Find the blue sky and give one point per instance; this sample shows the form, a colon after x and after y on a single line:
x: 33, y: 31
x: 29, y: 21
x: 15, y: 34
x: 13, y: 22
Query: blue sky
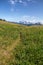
x: 26, y: 10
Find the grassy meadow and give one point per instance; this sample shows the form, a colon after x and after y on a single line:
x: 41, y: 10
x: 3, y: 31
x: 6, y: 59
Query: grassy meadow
x: 20, y: 45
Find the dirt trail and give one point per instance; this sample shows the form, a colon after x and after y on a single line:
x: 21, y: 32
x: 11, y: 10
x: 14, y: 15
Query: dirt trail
x: 14, y: 44
x: 7, y: 53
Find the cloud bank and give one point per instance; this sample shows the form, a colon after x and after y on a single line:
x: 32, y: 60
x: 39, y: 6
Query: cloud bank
x: 31, y: 19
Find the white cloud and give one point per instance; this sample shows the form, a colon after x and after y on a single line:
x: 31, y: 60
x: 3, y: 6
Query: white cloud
x: 23, y: 2
x: 31, y: 19
x: 33, y: 1
x: 12, y: 2
x: 26, y: 18
x: 20, y: 1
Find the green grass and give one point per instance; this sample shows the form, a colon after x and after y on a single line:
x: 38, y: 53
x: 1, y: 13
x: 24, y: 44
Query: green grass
x: 21, y: 45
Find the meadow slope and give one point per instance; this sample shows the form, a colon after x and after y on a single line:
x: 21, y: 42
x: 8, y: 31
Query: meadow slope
x: 20, y: 45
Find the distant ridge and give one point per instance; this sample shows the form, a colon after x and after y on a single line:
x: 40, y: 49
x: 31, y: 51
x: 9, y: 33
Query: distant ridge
x: 27, y: 23
x: 23, y: 22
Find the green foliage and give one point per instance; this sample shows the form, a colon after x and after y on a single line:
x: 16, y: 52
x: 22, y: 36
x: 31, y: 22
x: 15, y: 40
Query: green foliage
x: 29, y: 51
x: 7, y: 34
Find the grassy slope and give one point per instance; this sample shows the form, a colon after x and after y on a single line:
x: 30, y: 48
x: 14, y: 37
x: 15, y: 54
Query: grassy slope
x: 21, y: 45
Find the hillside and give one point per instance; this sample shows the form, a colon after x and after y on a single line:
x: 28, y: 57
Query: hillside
x: 20, y: 45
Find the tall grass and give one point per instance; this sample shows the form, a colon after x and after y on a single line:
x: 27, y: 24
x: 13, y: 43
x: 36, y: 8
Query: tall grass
x: 29, y: 51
